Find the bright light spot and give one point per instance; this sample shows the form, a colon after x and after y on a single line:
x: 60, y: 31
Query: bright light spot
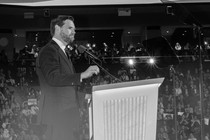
x: 205, y: 43
x: 151, y: 61
x: 88, y: 45
x: 131, y: 62
x: 94, y: 45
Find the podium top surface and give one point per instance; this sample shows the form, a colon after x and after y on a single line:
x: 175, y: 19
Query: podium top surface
x: 128, y: 84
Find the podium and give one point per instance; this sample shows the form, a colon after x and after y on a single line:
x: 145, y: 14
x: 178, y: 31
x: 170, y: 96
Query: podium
x: 124, y: 111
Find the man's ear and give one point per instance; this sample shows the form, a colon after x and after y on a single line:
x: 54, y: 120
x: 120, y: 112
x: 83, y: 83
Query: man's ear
x: 57, y: 28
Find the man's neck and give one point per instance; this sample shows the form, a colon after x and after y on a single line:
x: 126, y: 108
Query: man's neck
x: 60, y: 40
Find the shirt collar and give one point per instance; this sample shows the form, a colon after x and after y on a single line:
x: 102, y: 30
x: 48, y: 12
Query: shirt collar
x: 61, y: 45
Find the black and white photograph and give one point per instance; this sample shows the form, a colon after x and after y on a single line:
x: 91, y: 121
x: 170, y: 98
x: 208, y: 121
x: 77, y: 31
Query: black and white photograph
x: 104, y: 69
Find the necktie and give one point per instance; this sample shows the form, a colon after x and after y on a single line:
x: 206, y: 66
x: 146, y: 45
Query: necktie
x: 67, y: 52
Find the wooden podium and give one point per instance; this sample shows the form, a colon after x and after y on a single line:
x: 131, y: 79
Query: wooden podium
x: 124, y: 111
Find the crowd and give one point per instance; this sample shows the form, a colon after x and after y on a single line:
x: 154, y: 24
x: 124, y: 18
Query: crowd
x: 18, y: 111
x: 181, y: 107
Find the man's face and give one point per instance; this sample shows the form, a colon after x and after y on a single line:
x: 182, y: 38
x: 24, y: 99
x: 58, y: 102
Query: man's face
x: 68, y: 31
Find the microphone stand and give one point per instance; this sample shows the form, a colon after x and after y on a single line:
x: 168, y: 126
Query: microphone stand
x: 200, y: 78
x: 102, y: 68
x: 174, y: 94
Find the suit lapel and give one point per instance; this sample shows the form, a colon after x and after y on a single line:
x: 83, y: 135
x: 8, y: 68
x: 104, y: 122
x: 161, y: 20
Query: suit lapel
x: 63, y: 55
x: 68, y: 61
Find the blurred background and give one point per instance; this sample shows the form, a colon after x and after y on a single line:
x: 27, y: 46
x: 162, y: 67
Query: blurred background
x: 134, y: 40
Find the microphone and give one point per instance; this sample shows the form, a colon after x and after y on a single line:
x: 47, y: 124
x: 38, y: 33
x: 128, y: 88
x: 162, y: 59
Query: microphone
x: 83, y: 49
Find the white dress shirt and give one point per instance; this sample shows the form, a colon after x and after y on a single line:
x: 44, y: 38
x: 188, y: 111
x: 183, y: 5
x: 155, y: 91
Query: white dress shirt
x: 61, y: 45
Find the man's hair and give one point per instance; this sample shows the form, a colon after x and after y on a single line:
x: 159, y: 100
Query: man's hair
x: 59, y: 21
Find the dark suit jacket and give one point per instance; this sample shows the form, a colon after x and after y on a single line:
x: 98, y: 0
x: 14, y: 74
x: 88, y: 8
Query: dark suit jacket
x: 58, y: 82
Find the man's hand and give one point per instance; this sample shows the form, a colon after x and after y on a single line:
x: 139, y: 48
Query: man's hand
x: 89, y: 72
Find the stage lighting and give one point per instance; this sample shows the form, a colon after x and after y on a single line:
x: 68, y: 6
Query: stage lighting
x: 161, y: 49
x: 151, y: 61
x: 131, y: 61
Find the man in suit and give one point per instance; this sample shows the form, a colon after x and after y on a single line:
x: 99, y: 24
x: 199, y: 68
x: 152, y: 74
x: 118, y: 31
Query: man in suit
x: 58, y: 81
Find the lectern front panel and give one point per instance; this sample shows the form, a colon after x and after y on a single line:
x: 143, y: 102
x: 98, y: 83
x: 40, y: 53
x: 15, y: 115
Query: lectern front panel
x: 125, y: 113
